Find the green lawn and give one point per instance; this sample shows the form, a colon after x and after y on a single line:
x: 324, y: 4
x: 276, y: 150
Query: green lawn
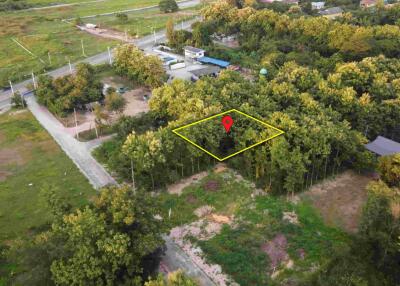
x: 238, y: 249
x: 30, y: 160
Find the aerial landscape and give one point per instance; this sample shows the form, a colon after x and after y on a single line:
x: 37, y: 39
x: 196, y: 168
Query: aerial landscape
x: 200, y: 142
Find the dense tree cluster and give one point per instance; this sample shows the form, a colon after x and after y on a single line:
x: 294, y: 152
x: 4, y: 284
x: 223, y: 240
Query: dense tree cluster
x: 63, y: 94
x: 325, y: 120
x: 131, y: 62
x: 373, y: 16
x: 115, y: 240
x: 312, y: 41
x: 10, y: 5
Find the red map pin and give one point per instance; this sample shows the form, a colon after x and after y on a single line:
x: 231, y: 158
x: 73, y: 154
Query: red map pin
x: 227, y: 121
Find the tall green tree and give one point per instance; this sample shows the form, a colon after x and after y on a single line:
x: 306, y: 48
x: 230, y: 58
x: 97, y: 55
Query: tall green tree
x: 108, y: 242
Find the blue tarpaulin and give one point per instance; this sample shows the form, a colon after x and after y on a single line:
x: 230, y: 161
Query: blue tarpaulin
x: 220, y: 63
x: 383, y: 146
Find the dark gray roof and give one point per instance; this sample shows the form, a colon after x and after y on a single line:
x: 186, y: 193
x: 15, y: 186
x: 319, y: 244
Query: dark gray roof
x: 331, y: 11
x: 193, y: 49
x: 383, y: 146
x: 206, y: 71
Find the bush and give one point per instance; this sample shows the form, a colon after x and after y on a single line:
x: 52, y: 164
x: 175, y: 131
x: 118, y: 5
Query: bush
x: 17, y: 101
x: 122, y: 17
x: 168, y: 6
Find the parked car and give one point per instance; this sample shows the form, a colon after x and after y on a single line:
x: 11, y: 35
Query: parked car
x: 122, y: 90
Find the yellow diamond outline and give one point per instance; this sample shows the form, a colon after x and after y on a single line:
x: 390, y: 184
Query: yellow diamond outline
x: 280, y: 132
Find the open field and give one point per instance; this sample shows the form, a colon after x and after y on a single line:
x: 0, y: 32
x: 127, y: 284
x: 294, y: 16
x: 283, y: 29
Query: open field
x: 51, y: 42
x: 340, y: 200
x: 253, y: 236
x: 30, y: 160
x: 141, y: 23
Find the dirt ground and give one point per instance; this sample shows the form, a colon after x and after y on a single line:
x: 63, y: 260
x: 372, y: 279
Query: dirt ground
x: 340, y: 200
x: 135, y: 104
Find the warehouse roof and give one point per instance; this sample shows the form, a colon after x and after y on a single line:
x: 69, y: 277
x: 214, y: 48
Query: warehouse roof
x: 383, y: 146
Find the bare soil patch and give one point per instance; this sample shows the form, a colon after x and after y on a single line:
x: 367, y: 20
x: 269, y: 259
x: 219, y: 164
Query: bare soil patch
x: 135, y: 103
x: 211, y: 186
x: 340, y: 200
x: 178, y: 187
x: 276, y: 250
x: 81, y: 118
x: 9, y: 156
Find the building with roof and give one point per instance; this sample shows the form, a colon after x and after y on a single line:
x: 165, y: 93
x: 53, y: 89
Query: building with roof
x: 331, y: 13
x: 193, y: 53
x: 207, y: 71
x: 367, y: 3
x: 212, y: 61
x: 317, y: 5
x: 383, y: 146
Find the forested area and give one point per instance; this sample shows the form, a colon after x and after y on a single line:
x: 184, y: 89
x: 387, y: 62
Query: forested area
x: 331, y: 86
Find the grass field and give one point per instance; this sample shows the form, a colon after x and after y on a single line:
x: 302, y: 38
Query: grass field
x: 43, y: 32
x: 30, y: 160
x: 141, y: 23
x: 240, y: 249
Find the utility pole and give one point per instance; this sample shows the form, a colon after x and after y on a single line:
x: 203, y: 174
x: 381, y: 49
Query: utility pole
x: 83, y: 49
x: 76, y: 125
x: 12, y: 89
x: 109, y: 55
x: 154, y: 33
x: 48, y: 54
x: 34, y: 81
x: 69, y: 63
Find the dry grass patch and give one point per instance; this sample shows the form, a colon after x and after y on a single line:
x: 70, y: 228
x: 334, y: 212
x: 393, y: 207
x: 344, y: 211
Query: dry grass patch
x: 340, y: 200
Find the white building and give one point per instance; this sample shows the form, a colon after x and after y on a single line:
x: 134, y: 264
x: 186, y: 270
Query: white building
x: 193, y: 53
x: 317, y: 5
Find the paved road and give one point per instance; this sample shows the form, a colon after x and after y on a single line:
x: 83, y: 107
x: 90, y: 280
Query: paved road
x: 175, y: 258
x: 145, y: 43
x: 77, y: 151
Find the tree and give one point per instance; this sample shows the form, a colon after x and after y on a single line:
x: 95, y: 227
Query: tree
x: 145, y: 151
x: 114, y: 102
x: 168, y: 6
x: 132, y: 62
x: 17, y: 100
x: 108, y: 242
x: 122, y: 17
x: 170, y: 30
x: 389, y: 168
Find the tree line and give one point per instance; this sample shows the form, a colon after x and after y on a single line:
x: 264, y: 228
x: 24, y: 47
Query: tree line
x: 326, y: 119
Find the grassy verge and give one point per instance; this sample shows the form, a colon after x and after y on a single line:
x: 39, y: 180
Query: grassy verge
x: 30, y: 160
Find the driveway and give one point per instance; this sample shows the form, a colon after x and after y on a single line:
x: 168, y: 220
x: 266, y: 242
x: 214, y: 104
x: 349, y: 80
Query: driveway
x: 79, y: 152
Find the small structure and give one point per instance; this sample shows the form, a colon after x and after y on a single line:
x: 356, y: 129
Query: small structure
x: 383, y: 146
x: 367, y: 3
x: 91, y: 26
x: 317, y: 5
x: 332, y: 13
x: 263, y: 72
x: 193, y: 53
x: 212, y: 61
x: 208, y: 71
